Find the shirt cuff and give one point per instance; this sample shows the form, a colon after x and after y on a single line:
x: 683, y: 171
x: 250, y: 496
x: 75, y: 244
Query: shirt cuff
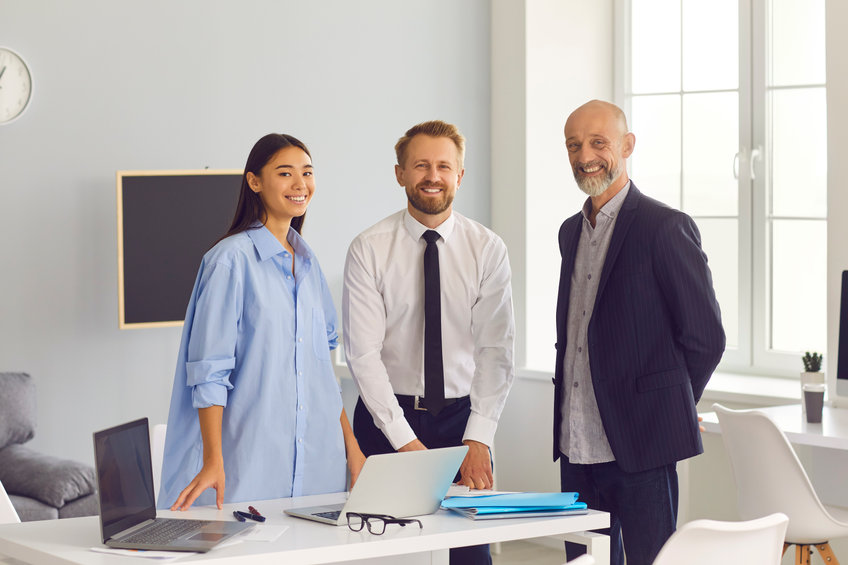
x: 480, y: 428
x: 210, y: 371
x: 209, y: 394
x: 399, y: 433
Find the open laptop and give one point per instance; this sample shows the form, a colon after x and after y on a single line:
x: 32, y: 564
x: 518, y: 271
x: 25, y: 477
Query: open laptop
x: 127, y: 501
x: 412, y: 483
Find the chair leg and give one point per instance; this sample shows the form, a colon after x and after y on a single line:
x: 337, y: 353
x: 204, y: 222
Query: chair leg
x: 827, y: 554
x: 802, y: 554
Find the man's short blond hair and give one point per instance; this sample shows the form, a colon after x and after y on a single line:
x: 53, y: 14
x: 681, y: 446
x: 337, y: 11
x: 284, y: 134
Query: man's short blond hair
x: 433, y: 128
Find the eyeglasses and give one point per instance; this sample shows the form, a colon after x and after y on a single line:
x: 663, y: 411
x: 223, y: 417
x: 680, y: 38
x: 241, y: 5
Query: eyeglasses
x: 376, y: 522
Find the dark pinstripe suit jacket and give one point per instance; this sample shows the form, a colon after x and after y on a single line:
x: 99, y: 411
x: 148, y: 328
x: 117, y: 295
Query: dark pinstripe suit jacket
x: 655, y: 335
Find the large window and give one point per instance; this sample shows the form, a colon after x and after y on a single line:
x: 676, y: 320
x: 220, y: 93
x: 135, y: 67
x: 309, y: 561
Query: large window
x: 727, y: 100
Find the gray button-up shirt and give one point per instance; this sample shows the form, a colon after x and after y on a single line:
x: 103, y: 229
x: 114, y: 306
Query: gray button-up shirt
x: 583, y: 439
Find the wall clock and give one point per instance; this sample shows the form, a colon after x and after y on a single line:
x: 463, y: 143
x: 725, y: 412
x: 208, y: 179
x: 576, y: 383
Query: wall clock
x: 15, y: 85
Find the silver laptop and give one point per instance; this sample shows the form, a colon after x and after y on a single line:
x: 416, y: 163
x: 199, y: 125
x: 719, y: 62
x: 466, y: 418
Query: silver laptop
x: 127, y: 502
x: 412, y: 483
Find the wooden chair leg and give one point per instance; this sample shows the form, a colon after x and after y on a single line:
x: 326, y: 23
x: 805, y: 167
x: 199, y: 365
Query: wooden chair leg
x: 827, y: 554
x: 802, y: 554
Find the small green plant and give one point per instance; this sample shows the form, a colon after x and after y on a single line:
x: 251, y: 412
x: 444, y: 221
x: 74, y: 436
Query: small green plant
x: 812, y: 362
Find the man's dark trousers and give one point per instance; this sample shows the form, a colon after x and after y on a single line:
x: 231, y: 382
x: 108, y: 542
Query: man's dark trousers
x: 642, y: 506
x: 444, y: 430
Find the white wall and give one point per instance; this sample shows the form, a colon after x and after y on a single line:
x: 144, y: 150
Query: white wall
x: 548, y: 58
x: 176, y: 85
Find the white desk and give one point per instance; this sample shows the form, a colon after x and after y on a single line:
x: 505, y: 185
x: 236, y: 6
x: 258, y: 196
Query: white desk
x: 832, y: 432
x: 68, y: 541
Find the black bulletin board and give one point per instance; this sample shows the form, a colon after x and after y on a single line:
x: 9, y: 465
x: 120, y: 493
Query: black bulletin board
x: 167, y: 220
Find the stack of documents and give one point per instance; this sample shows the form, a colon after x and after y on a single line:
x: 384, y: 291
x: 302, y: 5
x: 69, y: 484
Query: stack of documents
x: 515, y: 505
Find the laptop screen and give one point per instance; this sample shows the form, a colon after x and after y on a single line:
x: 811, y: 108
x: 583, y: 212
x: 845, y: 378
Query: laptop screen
x: 124, y: 476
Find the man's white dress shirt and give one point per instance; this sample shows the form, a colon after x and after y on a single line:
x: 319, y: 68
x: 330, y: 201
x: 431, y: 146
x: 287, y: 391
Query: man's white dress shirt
x: 383, y: 320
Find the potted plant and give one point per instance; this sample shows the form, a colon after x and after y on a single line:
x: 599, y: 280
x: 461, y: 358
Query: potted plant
x: 812, y: 371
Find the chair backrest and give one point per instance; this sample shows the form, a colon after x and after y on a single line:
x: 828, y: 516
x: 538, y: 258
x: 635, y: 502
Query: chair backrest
x: 769, y: 477
x: 8, y: 514
x: 157, y: 454
x: 708, y: 542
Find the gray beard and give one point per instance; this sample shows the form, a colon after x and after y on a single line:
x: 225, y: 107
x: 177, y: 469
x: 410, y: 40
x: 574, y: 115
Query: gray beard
x: 595, y: 186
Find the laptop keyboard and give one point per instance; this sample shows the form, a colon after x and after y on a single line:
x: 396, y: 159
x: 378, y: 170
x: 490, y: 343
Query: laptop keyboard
x: 162, y: 532
x: 332, y: 515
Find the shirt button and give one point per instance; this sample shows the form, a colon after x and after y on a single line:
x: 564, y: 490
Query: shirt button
x: 575, y: 384
x: 300, y: 440
x: 594, y: 243
x: 579, y: 350
x: 300, y: 373
x: 288, y: 277
x: 589, y: 277
x: 300, y: 407
x: 300, y: 340
x: 584, y: 312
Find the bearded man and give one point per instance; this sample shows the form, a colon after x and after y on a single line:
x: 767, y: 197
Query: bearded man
x: 638, y: 336
x: 427, y: 319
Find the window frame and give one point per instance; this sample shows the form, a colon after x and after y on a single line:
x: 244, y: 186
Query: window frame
x: 753, y: 354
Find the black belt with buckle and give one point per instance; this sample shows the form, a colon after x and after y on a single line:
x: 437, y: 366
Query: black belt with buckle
x: 417, y: 402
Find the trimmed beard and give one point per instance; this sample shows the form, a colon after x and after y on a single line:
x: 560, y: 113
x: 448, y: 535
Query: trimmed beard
x: 430, y: 206
x: 595, y: 186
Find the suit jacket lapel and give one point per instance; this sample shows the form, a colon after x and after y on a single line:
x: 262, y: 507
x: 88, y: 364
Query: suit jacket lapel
x: 568, y: 248
x: 622, y: 226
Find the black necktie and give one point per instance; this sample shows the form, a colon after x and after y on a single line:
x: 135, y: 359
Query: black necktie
x: 434, y: 376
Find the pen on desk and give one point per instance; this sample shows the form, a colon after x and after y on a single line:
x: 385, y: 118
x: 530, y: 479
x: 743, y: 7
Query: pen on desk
x: 238, y: 516
x: 252, y: 516
x: 253, y: 510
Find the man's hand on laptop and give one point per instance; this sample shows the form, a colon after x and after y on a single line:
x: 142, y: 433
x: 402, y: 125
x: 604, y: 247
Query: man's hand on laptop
x: 210, y: 476
x: 414, y: 445
x: 476, y: 468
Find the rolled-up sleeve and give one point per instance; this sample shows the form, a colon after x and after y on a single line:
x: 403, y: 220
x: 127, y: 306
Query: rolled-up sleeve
x: 214, y: 332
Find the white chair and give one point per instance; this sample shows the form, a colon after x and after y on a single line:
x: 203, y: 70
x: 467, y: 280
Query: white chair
x: 708, y: 542
x: 8, y: 514
x: 157, y: 454
x: 770, y: 478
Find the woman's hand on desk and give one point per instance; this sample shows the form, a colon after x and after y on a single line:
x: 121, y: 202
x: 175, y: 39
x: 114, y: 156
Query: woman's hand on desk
x: 210, y: 476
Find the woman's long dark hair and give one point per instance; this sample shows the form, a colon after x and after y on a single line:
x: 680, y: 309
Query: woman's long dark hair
x: 250, y: 209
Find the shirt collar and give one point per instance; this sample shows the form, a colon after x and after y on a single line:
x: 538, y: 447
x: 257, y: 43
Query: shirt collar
x: 268, y: 246
x: 416, y: 229
x: 611, y: 208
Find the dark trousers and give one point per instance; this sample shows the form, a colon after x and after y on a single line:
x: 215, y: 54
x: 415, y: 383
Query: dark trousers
x: 444, y: 430
x: 642, y: 507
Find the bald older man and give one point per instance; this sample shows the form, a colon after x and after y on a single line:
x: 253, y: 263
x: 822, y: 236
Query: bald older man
x: 638, y: 336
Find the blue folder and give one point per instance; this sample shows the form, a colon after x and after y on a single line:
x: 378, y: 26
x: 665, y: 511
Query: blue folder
x: 516, y: 502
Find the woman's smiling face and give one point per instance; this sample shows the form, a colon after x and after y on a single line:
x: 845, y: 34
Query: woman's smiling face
x: 285, y: 184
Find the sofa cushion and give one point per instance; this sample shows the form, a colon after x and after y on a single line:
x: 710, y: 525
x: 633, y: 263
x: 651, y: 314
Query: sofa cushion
x: 85, y: 506
x: 51, y: 480
x: 17, y: 408
x: 30, y: 509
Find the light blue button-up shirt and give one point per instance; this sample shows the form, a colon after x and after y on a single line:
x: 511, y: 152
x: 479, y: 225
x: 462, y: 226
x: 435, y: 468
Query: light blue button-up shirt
x: 257, y: 341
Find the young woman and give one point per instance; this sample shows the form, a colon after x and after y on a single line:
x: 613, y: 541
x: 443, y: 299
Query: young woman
x: 256, y: 411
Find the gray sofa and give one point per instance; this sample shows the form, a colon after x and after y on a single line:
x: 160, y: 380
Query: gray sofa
x: 40, y: 487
